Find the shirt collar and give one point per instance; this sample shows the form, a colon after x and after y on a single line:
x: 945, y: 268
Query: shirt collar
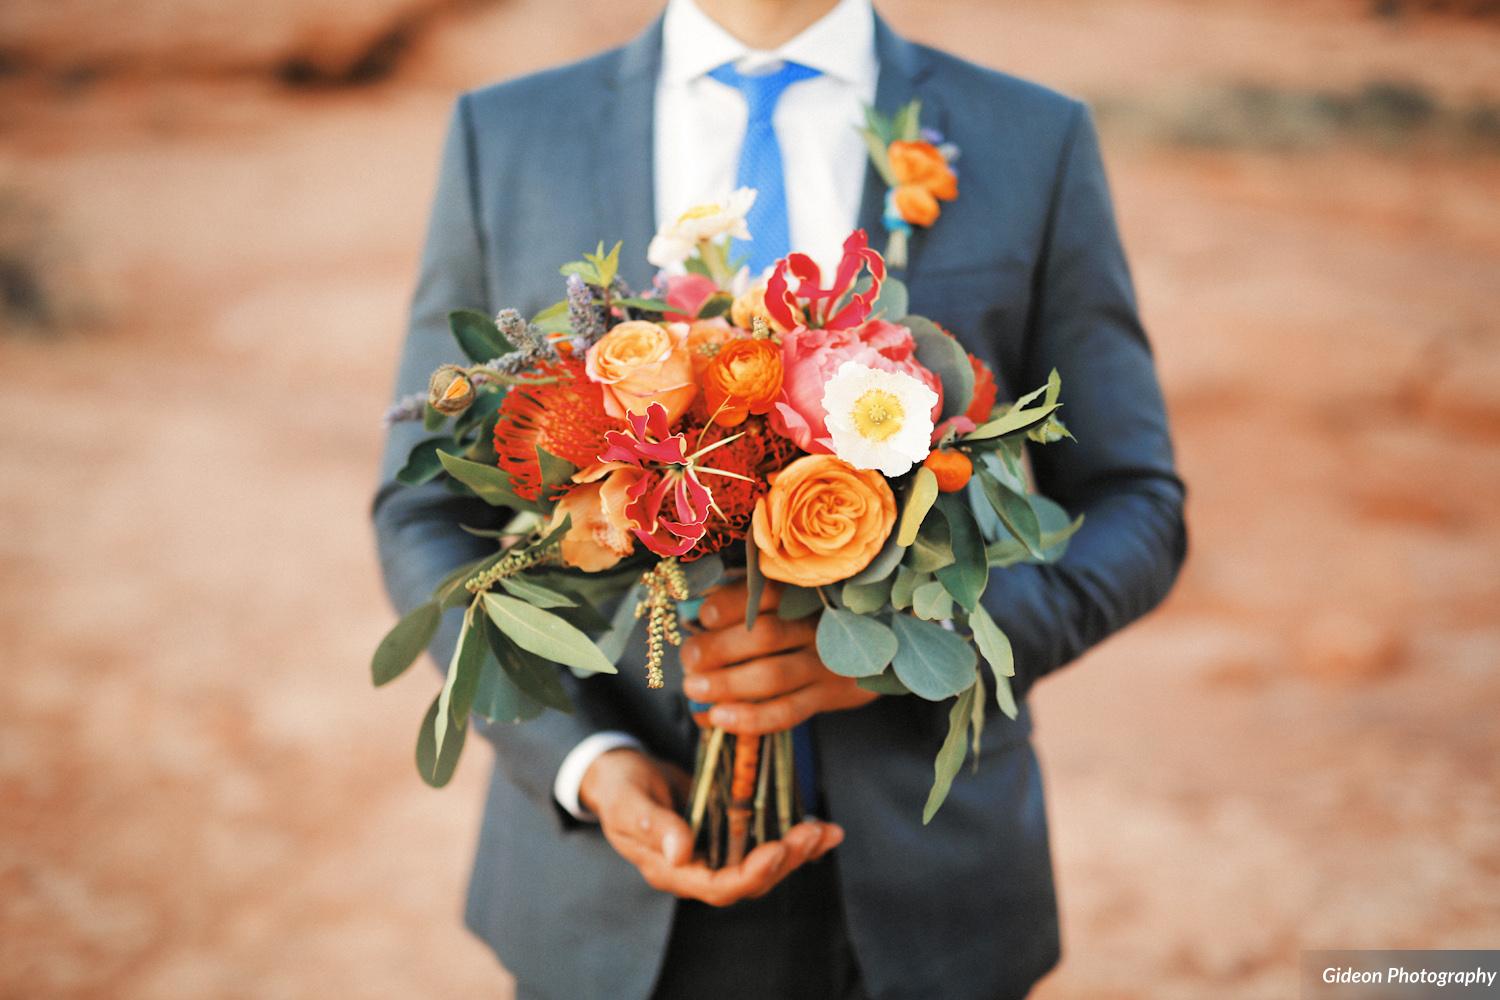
x: 840, y: 44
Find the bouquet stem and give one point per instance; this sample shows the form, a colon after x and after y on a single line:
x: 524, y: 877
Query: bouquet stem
x: 735, y: 786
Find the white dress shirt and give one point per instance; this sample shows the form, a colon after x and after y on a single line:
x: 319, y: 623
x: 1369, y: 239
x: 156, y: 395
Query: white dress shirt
x: 700, y: 123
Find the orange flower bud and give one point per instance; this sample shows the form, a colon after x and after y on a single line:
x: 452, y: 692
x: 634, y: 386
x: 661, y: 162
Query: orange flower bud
x: 952, y: 469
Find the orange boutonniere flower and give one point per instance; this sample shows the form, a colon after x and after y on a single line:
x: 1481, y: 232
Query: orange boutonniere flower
x: 918, y: 167
x: 923, y: 178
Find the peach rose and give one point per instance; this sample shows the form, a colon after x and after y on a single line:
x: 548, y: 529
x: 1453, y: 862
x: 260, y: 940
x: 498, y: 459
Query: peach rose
x: 822, y: 521
x: 743, y: 378
x: 599, y: 534
x: 640, y: 363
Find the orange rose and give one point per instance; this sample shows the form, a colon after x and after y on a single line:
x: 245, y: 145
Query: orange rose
x: 743, y: 378
x: 923, y: 177
x: 599, y: 533
x: 640, y: 363
x: 822, y: 521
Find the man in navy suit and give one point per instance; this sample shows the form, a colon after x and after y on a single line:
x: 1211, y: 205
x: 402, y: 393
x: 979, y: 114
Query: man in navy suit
x: 583, y: 884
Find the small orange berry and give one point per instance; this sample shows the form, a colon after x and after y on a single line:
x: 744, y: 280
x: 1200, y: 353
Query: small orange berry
x: 952, y: 469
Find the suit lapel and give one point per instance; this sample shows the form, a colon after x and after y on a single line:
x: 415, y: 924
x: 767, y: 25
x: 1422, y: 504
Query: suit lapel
x: 903, y: 67
x: 624, y: 152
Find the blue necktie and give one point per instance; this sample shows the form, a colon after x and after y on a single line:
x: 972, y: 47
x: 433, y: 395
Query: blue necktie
x: 760, y: 161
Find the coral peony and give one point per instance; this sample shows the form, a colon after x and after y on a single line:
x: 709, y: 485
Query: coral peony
x: 809, y: 358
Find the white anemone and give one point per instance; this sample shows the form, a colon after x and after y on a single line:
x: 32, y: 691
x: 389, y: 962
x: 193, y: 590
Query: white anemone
x: 676, y: 242
x: 878, y: 419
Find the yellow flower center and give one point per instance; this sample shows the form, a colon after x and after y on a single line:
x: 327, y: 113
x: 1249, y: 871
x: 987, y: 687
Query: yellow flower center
x: 700, y: 212
x: 877, y: 415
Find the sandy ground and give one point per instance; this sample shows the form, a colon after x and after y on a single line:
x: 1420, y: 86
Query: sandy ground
x: 201, y: 797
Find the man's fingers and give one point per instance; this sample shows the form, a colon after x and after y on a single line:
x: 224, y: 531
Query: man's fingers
x: 755, y: 680
x: 725, y: 606
x: 758, y: 718
x: 721, y: 647
x: 651, y: 823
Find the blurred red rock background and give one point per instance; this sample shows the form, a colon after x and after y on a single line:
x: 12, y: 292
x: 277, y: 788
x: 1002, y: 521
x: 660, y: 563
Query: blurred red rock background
x: 209, y: 218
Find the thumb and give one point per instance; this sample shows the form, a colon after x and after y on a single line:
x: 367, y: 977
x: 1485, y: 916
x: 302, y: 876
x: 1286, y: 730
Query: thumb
x: 645, y: 811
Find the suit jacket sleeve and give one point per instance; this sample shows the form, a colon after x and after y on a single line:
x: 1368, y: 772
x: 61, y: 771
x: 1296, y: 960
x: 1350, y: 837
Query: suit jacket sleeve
x: 1119, y: 473
x: 417, y: 529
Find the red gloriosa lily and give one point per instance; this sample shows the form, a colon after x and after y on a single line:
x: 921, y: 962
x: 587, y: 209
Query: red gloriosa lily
x: 836, y: 307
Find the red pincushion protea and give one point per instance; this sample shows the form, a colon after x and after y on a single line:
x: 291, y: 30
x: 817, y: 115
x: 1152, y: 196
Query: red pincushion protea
x: 565, y: 418
x: 754, y: 454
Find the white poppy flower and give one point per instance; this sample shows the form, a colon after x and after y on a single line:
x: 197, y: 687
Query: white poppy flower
x: 676, y: 242
x: 878, y: 419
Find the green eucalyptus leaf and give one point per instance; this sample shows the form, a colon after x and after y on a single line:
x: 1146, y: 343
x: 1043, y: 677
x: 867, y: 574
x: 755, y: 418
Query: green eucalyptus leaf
x: 883, y: 565
x: 437, y: 768
x: 853, y: 645
x: 545, y: 634
x: 886, y: 683
x: 1016, y: 513
x: 755, y: 581
x: 555, y: 471
x: 945, y: 357
x: 866, y: 598
x: 457, y: 696
x: 422, y: 463
x: 906, y: 125
x: 966, y: 576
x: 992, y: 642
x: 499, y: 700
x: 933, y: 547
x: 536, y: 678
x: 487, y: 482
x: 906, y: 583
x: 704, y: 574
x: 891, y: 304
x: 478, y: 335
x: 1005, y: 697
x: 1013, y: 421
x: 798, y: 602
x: 934, y: 662
x: 535, y: 594
x: 932, y: 602
x: 432, y: 420
x: 951, y: 757
x: 405, y: 642
x: 922, y: 495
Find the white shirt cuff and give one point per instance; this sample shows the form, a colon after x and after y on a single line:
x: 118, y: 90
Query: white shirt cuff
x: 576, y: 764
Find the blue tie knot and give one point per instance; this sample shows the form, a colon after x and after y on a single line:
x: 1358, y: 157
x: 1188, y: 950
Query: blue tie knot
x: 763, y: 90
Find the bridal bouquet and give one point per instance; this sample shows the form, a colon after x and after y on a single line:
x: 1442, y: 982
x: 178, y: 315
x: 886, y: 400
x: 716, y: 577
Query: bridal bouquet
x: 802, y: 429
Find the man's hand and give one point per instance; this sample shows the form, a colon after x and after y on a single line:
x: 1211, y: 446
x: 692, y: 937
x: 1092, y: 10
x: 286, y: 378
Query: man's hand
x: 764, y: 679
x: 632, y: 796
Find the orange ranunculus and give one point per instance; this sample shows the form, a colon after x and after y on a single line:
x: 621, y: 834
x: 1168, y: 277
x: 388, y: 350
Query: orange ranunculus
x: 743, y: 378
x: 640, y: 363
x: 923, y: 178
x: 822, y: 521
x: 705, y: 337
x: 599, y: 533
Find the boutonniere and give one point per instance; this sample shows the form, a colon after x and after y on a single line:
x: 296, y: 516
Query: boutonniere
x: 917, y: 167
